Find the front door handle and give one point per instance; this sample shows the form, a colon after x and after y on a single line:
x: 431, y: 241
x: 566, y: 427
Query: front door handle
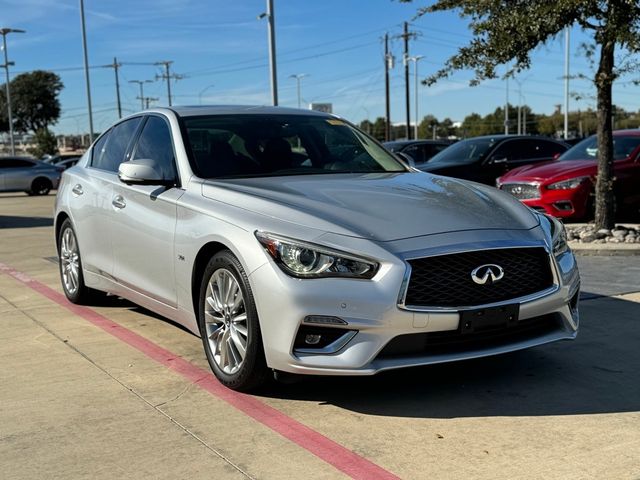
x: 77, y: 190
x: 118, y: 202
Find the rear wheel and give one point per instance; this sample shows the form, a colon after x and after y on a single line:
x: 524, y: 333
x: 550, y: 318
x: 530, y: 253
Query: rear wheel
x: 40, y: 186
x: 229, y: 325
x: 70, y: 265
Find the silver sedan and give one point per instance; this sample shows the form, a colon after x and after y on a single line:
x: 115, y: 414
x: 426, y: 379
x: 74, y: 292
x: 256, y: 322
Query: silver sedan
x: 290, y: 241
x: 21, y: 174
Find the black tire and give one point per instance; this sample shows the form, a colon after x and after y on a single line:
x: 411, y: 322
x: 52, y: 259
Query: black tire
x: 82, y: 295
x: 252, y: 371
x: 40, y: 186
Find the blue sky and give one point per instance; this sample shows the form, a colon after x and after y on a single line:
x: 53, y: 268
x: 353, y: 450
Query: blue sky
x: 221, y: 48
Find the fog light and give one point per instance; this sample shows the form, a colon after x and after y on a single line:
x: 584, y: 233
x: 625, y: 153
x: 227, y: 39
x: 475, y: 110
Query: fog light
x: 321, y: 339
x: 312, y: 339
x: 564, y: 205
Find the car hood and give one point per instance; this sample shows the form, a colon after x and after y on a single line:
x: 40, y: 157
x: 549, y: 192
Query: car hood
x: 434, y: 167
x: 383, y: 207
x: 550, y: 170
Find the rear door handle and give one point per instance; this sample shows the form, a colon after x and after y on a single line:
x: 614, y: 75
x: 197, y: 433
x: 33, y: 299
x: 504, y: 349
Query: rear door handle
x: 118, y: 202
x: 77, y: 189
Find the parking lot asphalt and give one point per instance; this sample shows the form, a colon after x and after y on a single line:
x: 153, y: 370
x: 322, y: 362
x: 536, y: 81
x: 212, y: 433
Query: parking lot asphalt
x: 112, y: 390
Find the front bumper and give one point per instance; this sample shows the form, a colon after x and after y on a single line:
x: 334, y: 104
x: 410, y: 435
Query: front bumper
x: 371, y: 307
x: 561, y: 203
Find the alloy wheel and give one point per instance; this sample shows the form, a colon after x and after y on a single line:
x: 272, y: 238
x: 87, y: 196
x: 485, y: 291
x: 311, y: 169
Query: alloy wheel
x: 70, y: 261
x: 226, y: 321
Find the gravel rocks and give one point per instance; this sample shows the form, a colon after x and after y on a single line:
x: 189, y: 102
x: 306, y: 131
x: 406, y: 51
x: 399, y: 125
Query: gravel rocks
x: 588, y: 234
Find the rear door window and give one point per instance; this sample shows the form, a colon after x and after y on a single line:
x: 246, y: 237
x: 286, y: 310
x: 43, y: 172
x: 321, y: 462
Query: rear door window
x: 98, y: 149
x: 17, y: 163
x: 547, y: 149
x: 117, y: 145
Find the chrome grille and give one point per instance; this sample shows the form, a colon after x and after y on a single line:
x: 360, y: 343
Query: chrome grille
x: 522, y: 191
x: 445, y: 280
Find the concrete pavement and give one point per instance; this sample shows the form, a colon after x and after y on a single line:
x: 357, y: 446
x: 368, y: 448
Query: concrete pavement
x: 76, y: 402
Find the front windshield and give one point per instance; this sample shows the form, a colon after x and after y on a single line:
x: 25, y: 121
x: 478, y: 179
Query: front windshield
x: 464, y: 152
x: 271, y: 145
x: 588, y: 148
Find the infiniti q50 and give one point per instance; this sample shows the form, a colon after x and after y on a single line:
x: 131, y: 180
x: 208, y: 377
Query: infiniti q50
x: 290, y: 241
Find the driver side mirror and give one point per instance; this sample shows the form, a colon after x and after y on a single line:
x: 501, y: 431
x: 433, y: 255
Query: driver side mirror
x: 142, y: 171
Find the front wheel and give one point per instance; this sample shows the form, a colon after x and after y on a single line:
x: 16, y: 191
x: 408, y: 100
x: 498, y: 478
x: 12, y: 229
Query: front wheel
x: 229, y: 325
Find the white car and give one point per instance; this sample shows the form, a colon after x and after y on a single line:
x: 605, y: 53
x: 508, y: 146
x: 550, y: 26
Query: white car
x: 291, y: 241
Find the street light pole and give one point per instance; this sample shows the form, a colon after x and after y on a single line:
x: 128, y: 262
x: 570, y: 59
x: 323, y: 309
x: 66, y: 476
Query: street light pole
x: 415, y: 60
x: 204, y: 90
x: 566, y: 82
x: 506, y: 110
x: 271, y: 33
x: 4, y: 32
x: 299, y: 77
x: 86, y: 69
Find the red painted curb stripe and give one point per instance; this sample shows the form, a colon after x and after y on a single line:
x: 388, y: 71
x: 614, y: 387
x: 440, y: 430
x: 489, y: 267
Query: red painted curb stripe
x: 324, y: 448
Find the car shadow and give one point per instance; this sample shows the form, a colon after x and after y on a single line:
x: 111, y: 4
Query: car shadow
x: 12, y: 221
x: 113, y: 301
x: 596, y: 373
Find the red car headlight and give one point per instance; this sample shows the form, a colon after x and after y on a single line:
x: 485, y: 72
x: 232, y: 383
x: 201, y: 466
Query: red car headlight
x: 568, y: 184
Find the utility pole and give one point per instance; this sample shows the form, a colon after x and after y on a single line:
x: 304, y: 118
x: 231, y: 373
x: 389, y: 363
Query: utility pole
x: 271, y: 35
x: 388, y: 64
x: 168, y: 76
x: 566, y: 82
x: 405, y: 36
x: 506, y: 110
x: 415, y: 61
x: 272, y: 52
x: 86, y: 69
x: 116, y: 66
x: 141, y: 96
x: 299, y: 77
x: 4, y: 32
x: 148, y: 100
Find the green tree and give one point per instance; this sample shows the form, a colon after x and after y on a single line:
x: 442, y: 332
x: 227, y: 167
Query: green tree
x: 366, y: 126
x: 34, y: 101
x: 425, y: 127
x: 506, y: 32
x: 377, y: 130
x: 45, y: 142
x: 446, y: 129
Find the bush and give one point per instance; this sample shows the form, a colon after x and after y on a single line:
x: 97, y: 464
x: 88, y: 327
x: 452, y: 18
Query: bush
x: 45, y: 142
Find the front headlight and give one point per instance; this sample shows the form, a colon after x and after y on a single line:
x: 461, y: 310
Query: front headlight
x: 567, y: 184
x: 307, y: 260
x: 558, y: 236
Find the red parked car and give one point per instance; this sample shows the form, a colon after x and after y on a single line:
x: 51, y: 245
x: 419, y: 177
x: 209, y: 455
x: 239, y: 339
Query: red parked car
x: 565, y: 187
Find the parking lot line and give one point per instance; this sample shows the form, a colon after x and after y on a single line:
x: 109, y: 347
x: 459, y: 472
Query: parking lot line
x: 341, y: 458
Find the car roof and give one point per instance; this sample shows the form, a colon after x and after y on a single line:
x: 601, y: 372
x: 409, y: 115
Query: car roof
x: 513, y: 137
x: 630, y: 132
x: 197, y: 110
x: 417, y: 142
x: 17, y: 157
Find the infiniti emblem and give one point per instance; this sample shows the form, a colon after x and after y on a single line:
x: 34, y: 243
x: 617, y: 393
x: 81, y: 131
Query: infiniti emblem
x: 487, y: 274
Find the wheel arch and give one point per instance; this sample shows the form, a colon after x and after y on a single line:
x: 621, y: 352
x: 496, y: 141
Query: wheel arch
x: 203, y: 256
x: 59, y: 220
x: 43, y: 178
